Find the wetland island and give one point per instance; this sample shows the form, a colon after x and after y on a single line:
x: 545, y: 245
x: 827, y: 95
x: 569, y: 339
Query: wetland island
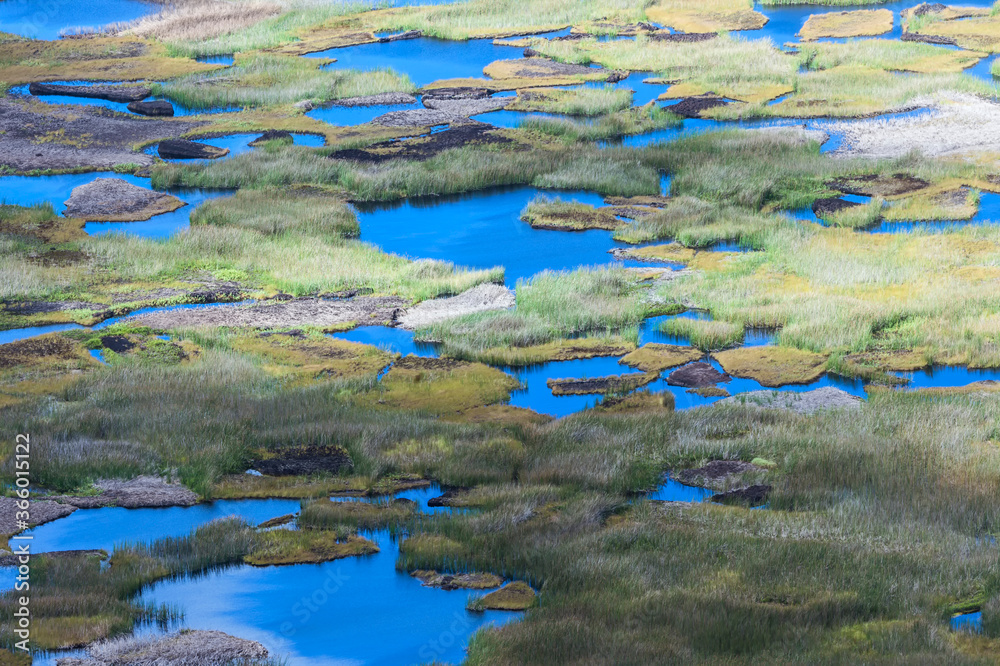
x: 498, y: 332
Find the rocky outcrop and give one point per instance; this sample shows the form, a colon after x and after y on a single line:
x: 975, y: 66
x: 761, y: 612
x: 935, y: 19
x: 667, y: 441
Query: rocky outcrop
x: 40, y: 511
x: 803, y: 402
x: 117, y: 200
x: 154, y: 108
x: 182, y: 149
x: 273, y: 135
x: 697, y: 375
x: 186, y: 648
x: 140, y: 492
x: 380, y: 99
x: 110, y: 93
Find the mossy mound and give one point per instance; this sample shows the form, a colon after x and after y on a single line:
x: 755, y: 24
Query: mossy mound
x: 656, y: 357
x: 600, y: 385
x: 307, y: 356
x: 773, y: 366
x: 859, y: 23
x: 669, y: 252
x: 41, y: 223
x: 516, y: 596
x: 638, y: 402
x: 505, y: 415
x: 327, y: 514
x: 571, y: 349
x: 440, y: 386
x: 569, y: 216
x: 705, y: 17
x: 307, y: 546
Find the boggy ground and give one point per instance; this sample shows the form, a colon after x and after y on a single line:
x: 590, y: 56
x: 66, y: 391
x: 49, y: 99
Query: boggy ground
x: 879, y: 521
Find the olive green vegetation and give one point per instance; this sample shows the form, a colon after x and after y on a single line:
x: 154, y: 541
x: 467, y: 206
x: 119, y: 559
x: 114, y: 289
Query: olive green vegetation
x: 584, y: 101
x: 292, y: 240
x: 268, y: 79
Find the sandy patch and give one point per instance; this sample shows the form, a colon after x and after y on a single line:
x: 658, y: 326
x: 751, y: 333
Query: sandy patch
x: 481, y: 298
x: 958, y: 124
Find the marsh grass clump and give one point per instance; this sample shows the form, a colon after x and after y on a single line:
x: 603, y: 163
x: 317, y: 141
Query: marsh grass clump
x: 634, y: 120
x: 554, y: 213
x: 269, y: 79
x: 77, y: 601
x: 887, y: 54
x: 275, y: 211
x: 706, y: 335
x: 582, y: 101
x: 326, y: 514
x: 284, y: 546
x: 550, y: 306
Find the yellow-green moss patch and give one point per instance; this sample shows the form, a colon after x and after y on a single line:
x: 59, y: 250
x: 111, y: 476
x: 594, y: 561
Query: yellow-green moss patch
x: 707, y: 16
x: 656, y: 357
x: 710, y: 392
x: 460, y: 581
x: 600, y: 385
x: 862, y: 22
x: 440, y: 386
x: 638, y: 402
x: 516, y: 596
x: 306, y: 546
x: 308, y: 356
x: 668, y: 252
x: 773, y: 366
x: 571, y: 349
x: 40, y: 222
x: 569, y: 216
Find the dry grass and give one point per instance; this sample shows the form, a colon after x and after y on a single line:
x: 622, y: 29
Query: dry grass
x: 194, y: 20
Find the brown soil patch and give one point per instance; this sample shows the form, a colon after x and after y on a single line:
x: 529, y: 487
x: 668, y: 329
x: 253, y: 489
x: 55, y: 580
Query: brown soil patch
x: 697, y: 375
x: 305, y: 460
x: 424, y: 148
x: 871, y: 185
x: 691, y: 107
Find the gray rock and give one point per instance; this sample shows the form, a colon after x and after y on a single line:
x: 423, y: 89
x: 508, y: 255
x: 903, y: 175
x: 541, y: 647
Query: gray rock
x: 381, y: 99
x: 155, y: 108
x: 117, y: 200
x: 186, y: 648
x: 40, y: 511
x: 481, y: 298
x: 140, y: 492
x: 111, y: 93
x: 182, y: 149
x: 803, y: 402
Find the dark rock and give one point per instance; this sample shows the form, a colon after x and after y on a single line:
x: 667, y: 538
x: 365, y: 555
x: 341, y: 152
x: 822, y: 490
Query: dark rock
x: 928, y: 8
x: 273, y: 135
x: 715, y: 470
x: 531, y: 53
x: 664, y: 36
x: 409, y: 34
x: 449, y: 497
x: 155, y: 108
x: 117, y: 343
x: 110, y: 93
x: 697, y: 375
x: 616, y: 76
x: 304, y: 460
x: 182, y: 149
x: 928, y: 39
x: 456, y: 93
x: 691, y: 107
x: 875, y: 185
x: 751, y: 495
x: 832, y: 205
x: 403, y: 502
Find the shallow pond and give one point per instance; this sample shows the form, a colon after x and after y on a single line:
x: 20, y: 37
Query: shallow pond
x: 424, y: 59
x: 56, y: 190
x: 330, y: 613
x: 482, y: 230
x: 46, y: 20
x: 357, y: 610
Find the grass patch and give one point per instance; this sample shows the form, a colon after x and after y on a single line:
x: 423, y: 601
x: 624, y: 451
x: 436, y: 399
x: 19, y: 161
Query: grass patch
x: 545, y: 213
x: 889, y: 55
x: 583, y: 101
x: 773, y: 366
x: 268, y: 79
x: 858, y: 23
x: 281, y: 546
